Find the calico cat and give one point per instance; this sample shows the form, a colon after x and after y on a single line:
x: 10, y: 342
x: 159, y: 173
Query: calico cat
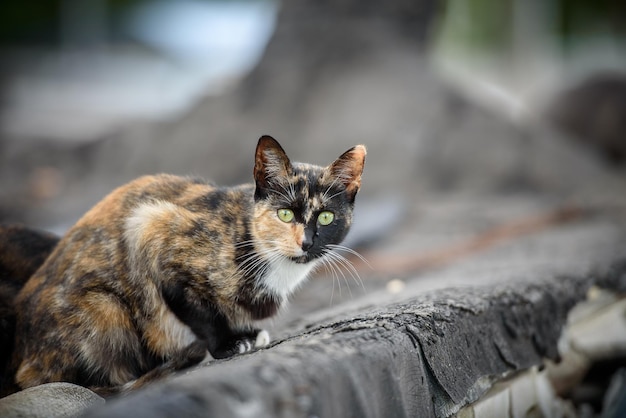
x: 165, y: 268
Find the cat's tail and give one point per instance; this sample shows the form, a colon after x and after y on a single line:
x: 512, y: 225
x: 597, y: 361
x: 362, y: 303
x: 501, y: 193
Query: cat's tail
x: 22, y: 252
x: 189, y: 356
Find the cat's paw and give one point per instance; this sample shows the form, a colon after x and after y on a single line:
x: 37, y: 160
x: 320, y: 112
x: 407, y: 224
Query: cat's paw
x: 243, y: 346
x: 242, y: 342
x: 262, y: 339
x: 247, y: 344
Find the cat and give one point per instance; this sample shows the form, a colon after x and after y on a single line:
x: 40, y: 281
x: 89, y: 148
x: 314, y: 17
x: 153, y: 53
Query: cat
x: 167, y: 271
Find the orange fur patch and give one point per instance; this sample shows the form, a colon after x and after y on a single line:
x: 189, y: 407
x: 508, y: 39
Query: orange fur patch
x: 297, y: 230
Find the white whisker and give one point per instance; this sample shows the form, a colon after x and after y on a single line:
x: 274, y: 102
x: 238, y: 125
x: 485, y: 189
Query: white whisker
x: 340, y: 260
x: 334, y: 271
x: 336, y: 194
x: 351, y: 251
x: 338, y: 266
x: 328, y: 189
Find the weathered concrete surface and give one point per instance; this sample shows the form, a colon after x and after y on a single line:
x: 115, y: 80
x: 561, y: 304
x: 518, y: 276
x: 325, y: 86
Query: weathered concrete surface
x: 49, y: 400
x: 426, y: 352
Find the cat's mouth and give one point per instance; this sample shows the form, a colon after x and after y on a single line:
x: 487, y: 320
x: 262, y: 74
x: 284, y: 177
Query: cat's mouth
x: 305, y: 258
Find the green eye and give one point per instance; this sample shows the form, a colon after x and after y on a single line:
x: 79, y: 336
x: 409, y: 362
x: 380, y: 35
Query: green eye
x: 285, y: 215
x: 326, y: 218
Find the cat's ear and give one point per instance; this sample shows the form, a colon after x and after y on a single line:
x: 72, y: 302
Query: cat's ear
x: 348, y: 169
x: 271, y: 163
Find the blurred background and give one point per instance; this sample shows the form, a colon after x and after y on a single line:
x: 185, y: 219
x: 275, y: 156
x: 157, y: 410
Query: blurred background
x: 471, y: 99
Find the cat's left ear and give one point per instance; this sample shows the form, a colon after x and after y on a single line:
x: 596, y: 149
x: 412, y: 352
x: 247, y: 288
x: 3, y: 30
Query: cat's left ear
x: 348, y: 169
x: 271, y: 163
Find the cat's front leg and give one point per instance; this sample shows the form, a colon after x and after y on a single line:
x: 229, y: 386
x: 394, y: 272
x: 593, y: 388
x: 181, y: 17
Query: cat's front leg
x: 209, y: 324
x: 189, y: 356
x: 242, y: 342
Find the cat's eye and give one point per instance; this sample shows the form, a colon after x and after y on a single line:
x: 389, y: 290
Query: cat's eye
x: 285, y: 215
x: 326, y: 218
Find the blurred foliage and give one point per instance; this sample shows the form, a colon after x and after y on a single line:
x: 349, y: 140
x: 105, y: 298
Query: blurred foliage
x: 476, y: 23
x: 31, y: 22
x: 38, y: 21
x: 576, y: 18
x: 483, y: 24
x: 492, y: 25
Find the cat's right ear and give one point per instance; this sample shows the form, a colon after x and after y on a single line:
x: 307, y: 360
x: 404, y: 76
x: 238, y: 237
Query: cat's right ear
x: 271, y: 163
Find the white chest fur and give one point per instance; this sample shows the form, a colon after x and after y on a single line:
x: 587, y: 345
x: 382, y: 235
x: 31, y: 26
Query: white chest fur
x: 283, y: 276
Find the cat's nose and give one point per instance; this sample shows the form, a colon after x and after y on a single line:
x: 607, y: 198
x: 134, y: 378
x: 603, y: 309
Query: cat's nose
x: 307, y: 241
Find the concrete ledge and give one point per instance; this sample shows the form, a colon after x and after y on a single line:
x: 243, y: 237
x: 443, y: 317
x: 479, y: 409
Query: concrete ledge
x: 427, y: 356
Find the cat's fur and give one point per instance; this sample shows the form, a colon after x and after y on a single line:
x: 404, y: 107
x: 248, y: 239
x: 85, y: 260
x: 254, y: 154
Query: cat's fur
x: 22, y: 251
x: 165, y: 268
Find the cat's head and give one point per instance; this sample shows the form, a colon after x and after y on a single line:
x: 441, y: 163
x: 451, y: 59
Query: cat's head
x: 301, y: 209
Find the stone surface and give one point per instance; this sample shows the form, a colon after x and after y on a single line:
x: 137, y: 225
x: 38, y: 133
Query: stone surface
x: 52, y: 400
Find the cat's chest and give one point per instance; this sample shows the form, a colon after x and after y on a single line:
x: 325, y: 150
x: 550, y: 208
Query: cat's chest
x: 283, y: 277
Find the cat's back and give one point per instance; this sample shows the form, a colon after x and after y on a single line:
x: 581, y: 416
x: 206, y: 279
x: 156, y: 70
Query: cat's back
x: 96, y: 244
x: 153, y: 189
